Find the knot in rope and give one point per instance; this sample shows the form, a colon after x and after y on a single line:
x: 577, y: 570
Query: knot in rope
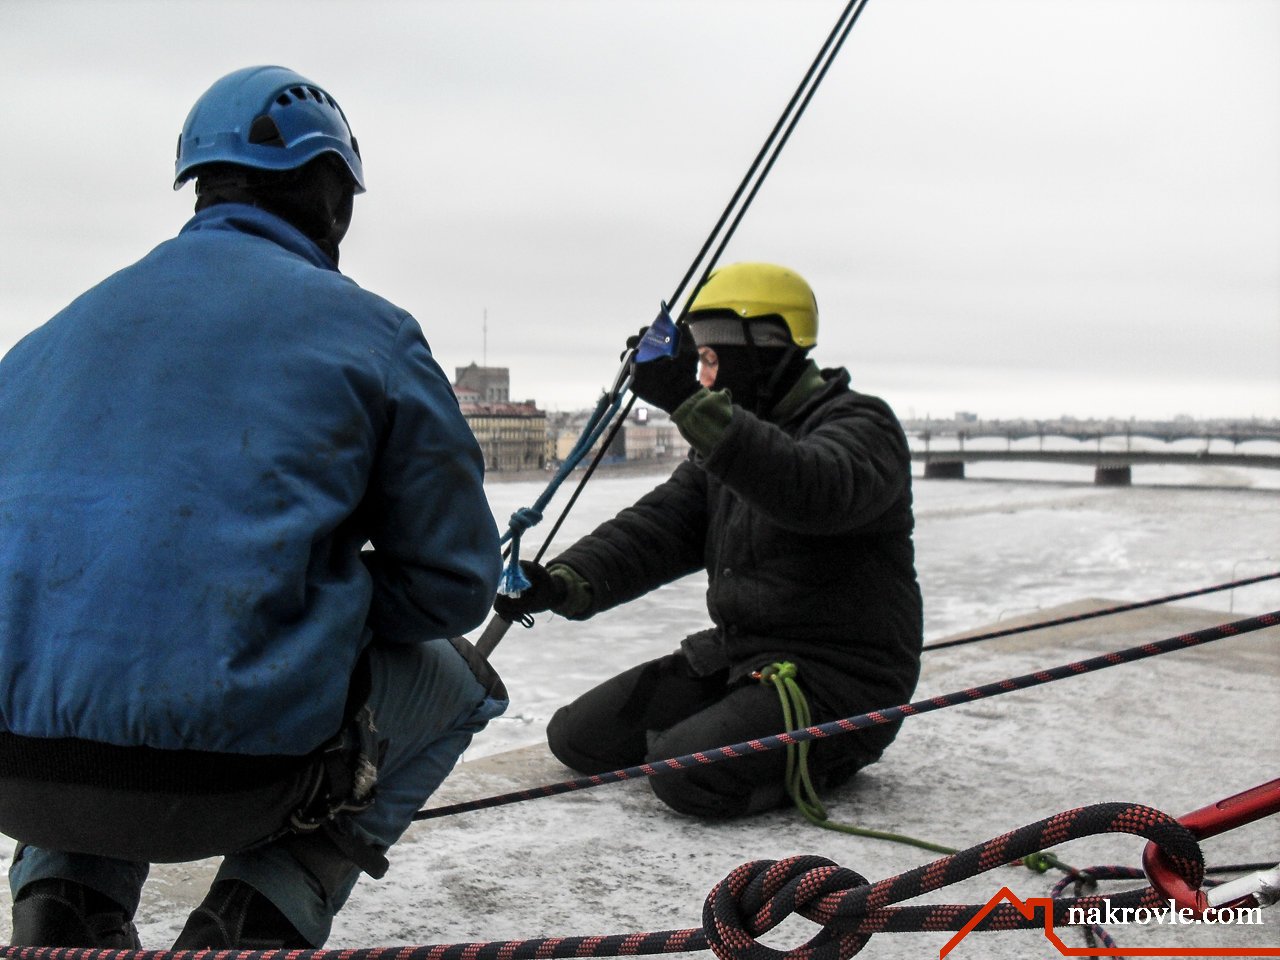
x: 522, y: 520
x: 757, y: 896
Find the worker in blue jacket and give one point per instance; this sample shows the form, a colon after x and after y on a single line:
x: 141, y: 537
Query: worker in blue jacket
x: 240, y: 517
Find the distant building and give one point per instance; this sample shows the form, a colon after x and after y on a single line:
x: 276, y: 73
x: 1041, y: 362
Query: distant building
x: 645, y: 435
x: 648, y: 437
x: 512, y: 436
x: 489, y: 384
x: 566, y: 430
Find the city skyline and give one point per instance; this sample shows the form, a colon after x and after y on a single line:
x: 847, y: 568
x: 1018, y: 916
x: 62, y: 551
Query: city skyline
x: 1009, y: 208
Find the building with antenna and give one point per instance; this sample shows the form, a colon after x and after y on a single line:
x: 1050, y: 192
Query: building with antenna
x: 512, y: 436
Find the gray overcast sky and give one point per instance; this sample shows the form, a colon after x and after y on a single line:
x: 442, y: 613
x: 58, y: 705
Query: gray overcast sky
x: 1014, y: 207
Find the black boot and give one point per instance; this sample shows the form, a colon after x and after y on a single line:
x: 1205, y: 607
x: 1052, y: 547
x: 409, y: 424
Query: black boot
x: 235, y: 916
x: 62, y: 913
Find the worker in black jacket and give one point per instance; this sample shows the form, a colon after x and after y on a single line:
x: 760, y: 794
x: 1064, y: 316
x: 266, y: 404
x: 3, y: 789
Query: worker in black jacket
x: 796, y: 500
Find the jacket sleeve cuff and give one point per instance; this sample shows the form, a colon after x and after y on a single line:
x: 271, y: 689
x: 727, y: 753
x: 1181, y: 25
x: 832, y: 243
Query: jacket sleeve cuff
x: 578, y: 594
x: 704, y: 418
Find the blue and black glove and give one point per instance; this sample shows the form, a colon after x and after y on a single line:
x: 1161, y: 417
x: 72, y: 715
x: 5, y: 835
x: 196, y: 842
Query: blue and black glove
x: 543, y: 593
x: 667, y: 382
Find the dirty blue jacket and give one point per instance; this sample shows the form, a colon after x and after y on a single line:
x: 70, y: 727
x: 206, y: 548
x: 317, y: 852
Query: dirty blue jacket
x: 223, y: 470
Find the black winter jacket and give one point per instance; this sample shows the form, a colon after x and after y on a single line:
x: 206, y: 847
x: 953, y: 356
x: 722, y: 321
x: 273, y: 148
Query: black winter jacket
x: 804, y: 529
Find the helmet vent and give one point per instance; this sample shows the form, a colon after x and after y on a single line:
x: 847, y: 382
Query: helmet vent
x: 294, y: 94
x: 265, y: 133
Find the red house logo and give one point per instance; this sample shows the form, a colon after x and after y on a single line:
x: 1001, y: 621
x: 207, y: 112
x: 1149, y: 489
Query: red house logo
x: 1028, y: 909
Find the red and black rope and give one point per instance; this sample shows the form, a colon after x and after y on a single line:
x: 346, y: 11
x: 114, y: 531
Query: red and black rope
x: 850, y: 724
x: 757, y: 896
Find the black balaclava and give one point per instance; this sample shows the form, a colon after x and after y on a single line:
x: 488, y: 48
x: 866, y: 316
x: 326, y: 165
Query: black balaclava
x: 756, y: 376
x: 316, y: 198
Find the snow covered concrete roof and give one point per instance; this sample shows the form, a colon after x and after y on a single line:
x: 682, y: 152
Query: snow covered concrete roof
x: 1177, y: 733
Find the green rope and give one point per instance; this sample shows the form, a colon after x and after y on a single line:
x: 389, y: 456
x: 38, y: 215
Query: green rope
x: 799, y: 783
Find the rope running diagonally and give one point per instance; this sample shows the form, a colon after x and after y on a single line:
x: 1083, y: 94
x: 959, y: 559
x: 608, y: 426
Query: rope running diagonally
x: 861, y: 722
x: 513, y: 579
x: 757, y: 896
x: 1108, y: 611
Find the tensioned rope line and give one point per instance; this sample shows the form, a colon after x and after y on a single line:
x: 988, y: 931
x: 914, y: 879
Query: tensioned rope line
x: 611, y: 407
x: 763, y: 164
x: 874, y: 718
x: 1108, y: 611
x: 774, y: 143
x: 758, y: 896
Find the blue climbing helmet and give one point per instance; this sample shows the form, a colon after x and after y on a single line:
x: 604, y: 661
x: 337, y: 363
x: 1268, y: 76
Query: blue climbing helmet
x: 268, y: 118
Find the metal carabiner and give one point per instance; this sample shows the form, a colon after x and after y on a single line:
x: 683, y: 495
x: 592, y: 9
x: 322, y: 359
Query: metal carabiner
x: 1254, y: 804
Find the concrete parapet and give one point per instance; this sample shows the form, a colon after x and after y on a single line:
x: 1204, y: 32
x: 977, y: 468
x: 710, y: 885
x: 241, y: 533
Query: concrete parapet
x: 1113, y: 476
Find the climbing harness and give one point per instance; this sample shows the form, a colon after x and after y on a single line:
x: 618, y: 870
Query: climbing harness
x: 874, y: 718
x: 611, y: 410
x: 347, y: 775
x: 1122, y: 608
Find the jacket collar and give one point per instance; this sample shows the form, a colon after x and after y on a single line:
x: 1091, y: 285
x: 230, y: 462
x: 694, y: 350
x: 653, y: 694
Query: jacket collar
x: 807, y: 384
x: 243, y: 218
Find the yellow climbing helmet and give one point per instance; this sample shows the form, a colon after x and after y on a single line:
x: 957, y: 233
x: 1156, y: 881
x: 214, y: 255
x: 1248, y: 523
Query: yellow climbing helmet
x: 752, y: 290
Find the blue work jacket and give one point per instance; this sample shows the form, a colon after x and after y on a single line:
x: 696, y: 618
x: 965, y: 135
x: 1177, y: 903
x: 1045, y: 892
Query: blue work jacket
x: 223, y: 471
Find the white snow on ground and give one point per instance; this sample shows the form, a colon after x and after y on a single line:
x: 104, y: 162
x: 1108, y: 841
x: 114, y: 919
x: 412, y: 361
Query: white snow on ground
x: 1177, y: 732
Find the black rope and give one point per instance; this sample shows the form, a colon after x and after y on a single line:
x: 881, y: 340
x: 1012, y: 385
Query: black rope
x: 763, y: 162
x: 819, y: 66
x: 591, y: 468
x: 1122, y: 608
x: 852, y: 11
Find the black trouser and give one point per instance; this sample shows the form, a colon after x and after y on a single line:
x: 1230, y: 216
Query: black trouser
x: 661, y: 709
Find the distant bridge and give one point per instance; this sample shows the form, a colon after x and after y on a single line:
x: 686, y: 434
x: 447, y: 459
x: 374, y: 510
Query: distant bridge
x: 1168, y: 432
x: 1107, y: 446
x: 1111, y: 467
